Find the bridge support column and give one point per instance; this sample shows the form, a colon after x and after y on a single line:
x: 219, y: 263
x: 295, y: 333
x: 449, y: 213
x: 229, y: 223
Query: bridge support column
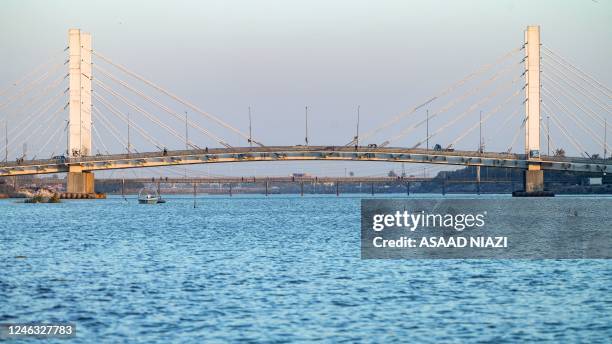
x: 80, y: 182
x: 533, y: 176
x: 533, y: 181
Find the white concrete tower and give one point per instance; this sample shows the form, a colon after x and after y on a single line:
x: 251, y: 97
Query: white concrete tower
x: 534, y: 175
x: 79, y: 128
x: 79, y: 141
x: 532, y: 91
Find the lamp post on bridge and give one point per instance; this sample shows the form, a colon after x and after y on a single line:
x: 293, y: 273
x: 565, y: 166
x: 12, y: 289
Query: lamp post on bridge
x: 357, y: 134
x: 186, y: 132
x: 480, y: 133
x: 67, y: 137
x: 306, y: 138
x: 128, y: 133
x: 605, y: 138
x: 548, y: 136
x: 250, y: 133
x: 6, y: 140
x: 427, y: 134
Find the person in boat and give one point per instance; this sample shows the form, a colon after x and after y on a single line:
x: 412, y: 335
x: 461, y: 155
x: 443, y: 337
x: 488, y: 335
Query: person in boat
x: 165, y: 151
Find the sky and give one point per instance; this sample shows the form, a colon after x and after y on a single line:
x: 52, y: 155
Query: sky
x: 279, y: 56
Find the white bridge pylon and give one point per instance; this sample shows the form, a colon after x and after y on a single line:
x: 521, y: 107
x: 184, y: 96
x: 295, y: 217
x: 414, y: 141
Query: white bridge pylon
x: 80, y: 74
x: 79, y: 118
x: 532, y: 91
x: 534, y: 176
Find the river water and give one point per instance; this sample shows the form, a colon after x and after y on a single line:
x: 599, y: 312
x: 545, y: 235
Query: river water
x: 274, y: 269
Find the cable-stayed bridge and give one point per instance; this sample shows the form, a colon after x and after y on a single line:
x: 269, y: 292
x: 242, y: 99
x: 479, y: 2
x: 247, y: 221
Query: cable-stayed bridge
x: 523, y: 91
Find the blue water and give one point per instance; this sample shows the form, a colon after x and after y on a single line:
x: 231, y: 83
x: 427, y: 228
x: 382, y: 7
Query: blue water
x: 273, y: 269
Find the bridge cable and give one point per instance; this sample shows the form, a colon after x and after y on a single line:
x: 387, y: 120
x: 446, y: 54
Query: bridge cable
x: 175, y: 97
x: 506, y: 122
x: 580, y: 89
x: 97, y: 135
x: 108, y: 125
x: 30, y: 85
x: 605, y: 90
x: 34, y: 119
x: 30, y: 73
x: 49, y: 139
x: 48, y: 120
x: 577, y: 87
x: 543, y: 133
x: 484, y: 120
x: 576, y: 120
x: 449, y: 105
x: 484, y: 100
x: 148, y: 115
x: 564, y: 131
x: 123, y: 118
x: 34, y: 99
x: 516, y: 135
x: 163, y: 107
x: 46, y: 125
x: 585, y: 109
x: 29, y: 103
x: 441, y: 94
x: 462, y: 115
x: 24, y: 118
x: 144, y: 112
x: 46, y: 130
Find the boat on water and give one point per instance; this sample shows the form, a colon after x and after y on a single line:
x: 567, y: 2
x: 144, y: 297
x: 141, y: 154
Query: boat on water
x: 147, y: 197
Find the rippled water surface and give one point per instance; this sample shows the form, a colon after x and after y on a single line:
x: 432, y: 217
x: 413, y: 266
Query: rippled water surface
x: 273, y: 269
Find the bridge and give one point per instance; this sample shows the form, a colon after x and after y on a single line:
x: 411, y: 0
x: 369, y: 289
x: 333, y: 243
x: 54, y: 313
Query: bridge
x: 572, y: 92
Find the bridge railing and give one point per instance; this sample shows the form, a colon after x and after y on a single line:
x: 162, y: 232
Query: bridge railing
x: 278, y: 149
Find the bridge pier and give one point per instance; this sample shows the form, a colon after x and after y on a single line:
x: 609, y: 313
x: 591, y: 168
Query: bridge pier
x: 80, y: 182
x: 533, y: 181
x: 533, y: 177
x: 478, y: 180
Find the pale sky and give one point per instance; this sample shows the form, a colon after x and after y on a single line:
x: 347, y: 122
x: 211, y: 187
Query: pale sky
x: 279, y: 56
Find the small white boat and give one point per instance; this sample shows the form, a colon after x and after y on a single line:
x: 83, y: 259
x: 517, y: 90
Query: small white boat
x: 145, y: 197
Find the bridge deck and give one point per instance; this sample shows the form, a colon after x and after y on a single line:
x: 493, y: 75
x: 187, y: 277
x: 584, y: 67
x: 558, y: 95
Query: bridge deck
x: 299, y: 153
